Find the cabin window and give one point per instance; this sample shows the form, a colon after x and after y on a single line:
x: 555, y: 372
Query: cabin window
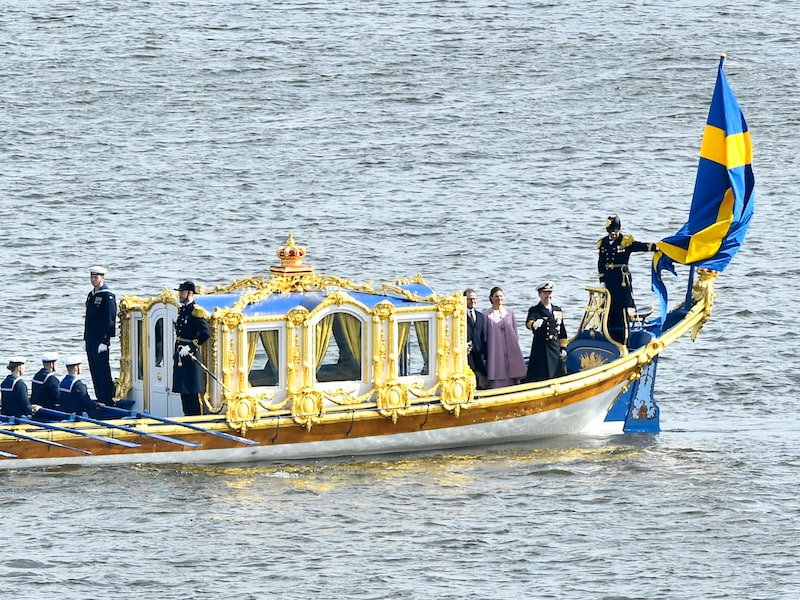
x: 263, y: 356
x: 413, y: 348
x: 158, y: 333
x: 139, y: 326
x: 338, y: 348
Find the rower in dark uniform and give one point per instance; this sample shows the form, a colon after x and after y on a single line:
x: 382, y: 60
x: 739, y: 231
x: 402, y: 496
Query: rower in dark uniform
x: 191, y: 332
x: 44, y: 387
x: 615, y: 250
x: 73, y: 394
x: 14, y: 391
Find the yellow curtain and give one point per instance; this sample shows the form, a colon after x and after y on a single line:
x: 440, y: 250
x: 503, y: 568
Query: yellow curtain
x: 351, y: 327
x: 323, y: 336
x: 252, y: 346
x: 422, y: 328
x: 403, y: 330
x: 270, y: 341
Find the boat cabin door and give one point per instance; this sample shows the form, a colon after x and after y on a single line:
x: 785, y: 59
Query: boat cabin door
x: 160, y: 343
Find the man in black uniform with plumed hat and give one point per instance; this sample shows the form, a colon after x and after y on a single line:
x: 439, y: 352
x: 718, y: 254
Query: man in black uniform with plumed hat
x: 615, y: 250
x: 191, y: 332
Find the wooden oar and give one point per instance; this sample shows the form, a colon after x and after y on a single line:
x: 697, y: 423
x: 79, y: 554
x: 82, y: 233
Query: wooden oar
x: 84, y: 417
x: 102, y: 438
x: 30, y: 438
x: 146, y: 415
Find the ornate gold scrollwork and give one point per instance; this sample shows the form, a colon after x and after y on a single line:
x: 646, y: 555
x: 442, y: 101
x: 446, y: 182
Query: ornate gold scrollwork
x: 383, y: 310
x: 449, y: 304
x: 297, y: 316
x: 703, y: 289
x: 307, y: 407
x: 392, y: 400
x: 457, y: 391
x: 241, y: 412
x: 229, y: 319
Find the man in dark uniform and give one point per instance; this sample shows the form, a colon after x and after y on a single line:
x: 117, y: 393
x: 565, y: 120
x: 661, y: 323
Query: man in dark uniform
x: 74, y: 397
x: 549, y: 346
x: 476, y: 342
x: 612, y: 267
x: 99, y: 328
x: 14, y: 392
x: 191, y: 332
x: 44, y: 387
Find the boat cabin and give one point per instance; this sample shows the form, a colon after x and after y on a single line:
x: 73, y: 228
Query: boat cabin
x: 303, y: 342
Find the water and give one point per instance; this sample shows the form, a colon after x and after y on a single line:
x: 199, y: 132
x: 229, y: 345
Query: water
x: 478, y: 143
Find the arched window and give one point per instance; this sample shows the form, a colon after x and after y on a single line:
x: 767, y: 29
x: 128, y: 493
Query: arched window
x: 339, y: 346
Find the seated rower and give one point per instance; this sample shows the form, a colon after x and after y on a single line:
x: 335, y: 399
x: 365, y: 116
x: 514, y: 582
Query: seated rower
x: 14, y: 392
x: 74, y: 396
x: 44, y: 387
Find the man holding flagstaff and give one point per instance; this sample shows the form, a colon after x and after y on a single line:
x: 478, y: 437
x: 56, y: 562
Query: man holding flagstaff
x: 612, y: 267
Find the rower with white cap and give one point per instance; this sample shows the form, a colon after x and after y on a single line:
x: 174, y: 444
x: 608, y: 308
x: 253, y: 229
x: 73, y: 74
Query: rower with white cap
x: 14, y: 392
x: 44, y: 387
x: 99, y: 327
x: 74, y: 396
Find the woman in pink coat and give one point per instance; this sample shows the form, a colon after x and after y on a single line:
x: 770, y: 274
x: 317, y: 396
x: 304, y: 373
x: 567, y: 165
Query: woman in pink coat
x: 504, y: 362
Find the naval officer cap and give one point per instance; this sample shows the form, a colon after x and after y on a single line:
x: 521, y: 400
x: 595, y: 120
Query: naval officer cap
x: 97, y: 270
x: 546, y: 286
x: 73, y: 360
x: 49, y: 357
x: 186, y: 286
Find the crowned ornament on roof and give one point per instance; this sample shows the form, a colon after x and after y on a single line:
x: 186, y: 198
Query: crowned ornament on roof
x: 291, y: 256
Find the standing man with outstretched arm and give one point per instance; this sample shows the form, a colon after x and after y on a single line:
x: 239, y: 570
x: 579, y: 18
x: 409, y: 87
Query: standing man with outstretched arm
x: 99, y: 327
x: 191, y: 332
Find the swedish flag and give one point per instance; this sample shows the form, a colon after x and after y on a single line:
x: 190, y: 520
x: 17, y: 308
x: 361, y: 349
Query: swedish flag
x: 724, y: 197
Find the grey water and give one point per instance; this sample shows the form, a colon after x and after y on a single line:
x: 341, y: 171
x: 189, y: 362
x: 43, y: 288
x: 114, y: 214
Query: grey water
x: 478, y: 143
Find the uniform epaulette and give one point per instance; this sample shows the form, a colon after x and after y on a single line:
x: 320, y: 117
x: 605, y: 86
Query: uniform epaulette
x: 627, y: 240
x: 600, y: 242
x: 199, y: 311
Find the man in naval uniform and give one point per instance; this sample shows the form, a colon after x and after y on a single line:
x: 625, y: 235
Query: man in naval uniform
x: 549, y: 345
x: 73, y: 395
x: 14, y: 392
x: 99, y: 328
x: 612, y: 267
x: 44, y: 387
x: 191, y: 332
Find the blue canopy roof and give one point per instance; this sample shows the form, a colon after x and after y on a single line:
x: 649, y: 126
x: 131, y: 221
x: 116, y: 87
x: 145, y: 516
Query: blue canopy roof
x: 279, y: 304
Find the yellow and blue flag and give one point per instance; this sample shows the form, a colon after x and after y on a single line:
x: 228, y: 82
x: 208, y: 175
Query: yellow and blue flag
x: 724, y: 197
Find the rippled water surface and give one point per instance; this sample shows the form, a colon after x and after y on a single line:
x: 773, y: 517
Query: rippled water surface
x: 479, y: 143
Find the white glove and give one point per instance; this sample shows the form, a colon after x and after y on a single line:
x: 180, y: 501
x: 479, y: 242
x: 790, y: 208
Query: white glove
x: 183, y: 350
x: 102, y: 348
x: 563, y: 353
x: 537, y: 323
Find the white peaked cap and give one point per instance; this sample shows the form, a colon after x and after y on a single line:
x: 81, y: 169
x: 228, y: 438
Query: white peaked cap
x: 49, y: 356
x: 97, y: 269
x: 73, y: 360
x: 17, y: 359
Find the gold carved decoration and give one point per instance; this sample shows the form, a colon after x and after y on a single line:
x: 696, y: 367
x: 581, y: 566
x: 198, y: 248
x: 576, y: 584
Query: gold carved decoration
x: 307, y: 407
x: 590, y: 360
x: 457, y: 390
x: 241, y: 412
x: 297, y: 316
x: 703, y: 289
x: 392, y: 400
